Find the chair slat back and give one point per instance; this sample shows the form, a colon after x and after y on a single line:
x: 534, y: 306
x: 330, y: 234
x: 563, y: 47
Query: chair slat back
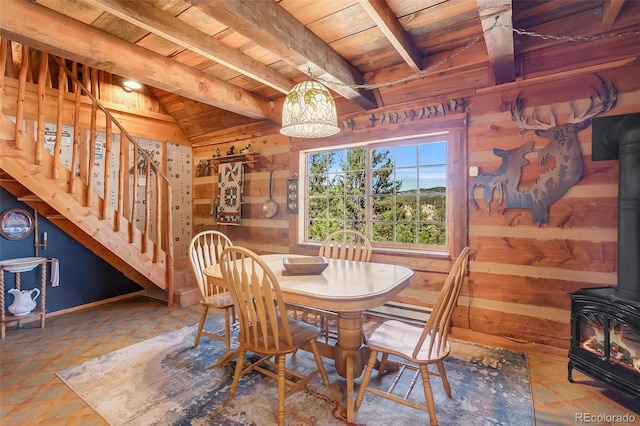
x: 346, y: 245
x: 258, y: 300
x: 205, y: 250
x: 439, y: 321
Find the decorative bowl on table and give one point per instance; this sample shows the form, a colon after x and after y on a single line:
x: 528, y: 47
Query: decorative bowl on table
x: 305, y: 265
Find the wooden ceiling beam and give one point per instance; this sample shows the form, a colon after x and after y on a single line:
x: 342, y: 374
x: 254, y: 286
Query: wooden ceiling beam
x: 270, y: 26
x: 499, y: 40
x: 388, y: 23
x: 165, y: 25
x: 610, y: 11
x: 60, y: 35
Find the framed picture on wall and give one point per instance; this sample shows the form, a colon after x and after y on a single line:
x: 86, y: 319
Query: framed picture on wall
x: 16, y: 224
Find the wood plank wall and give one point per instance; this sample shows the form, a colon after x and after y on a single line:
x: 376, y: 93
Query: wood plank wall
x: 272, y: 153
x: 520, y: 273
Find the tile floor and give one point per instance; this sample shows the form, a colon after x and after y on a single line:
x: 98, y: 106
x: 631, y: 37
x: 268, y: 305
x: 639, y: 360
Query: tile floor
x: 31, y: 393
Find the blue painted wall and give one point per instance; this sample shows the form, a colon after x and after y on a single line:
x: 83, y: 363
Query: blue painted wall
x: 84, y: 277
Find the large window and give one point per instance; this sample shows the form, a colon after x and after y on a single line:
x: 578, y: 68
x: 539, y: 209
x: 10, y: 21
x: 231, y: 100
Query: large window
x: 396, y: 193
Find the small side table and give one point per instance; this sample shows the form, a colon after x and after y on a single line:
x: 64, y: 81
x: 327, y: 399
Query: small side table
x: 16, y: 266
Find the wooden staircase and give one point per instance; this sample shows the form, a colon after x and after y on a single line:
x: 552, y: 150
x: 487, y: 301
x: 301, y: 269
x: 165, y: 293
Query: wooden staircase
x: 132, y: 233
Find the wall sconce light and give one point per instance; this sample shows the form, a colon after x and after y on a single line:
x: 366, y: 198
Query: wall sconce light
x: 130, y: 85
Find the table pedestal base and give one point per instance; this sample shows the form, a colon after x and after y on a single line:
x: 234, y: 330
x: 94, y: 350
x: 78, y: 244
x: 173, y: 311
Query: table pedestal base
x: 350, y: 354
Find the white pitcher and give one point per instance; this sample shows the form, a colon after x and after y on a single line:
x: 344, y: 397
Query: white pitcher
x: 23, y: 301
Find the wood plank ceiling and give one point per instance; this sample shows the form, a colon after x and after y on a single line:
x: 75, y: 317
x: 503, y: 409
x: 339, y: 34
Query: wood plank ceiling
x: 220, y: 64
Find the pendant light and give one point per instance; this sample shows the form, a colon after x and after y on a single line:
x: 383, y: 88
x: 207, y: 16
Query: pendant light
x: 309, y: 111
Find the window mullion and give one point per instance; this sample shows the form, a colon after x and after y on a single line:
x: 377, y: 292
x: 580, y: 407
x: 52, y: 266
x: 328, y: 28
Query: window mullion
x: 395, y: 218
x: 367, y: 195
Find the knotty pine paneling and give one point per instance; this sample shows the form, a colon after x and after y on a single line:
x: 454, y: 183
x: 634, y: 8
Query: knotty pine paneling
x: 521, y: 272
x: 419, y: 262
x: 203, y: 187
x: 564, y: 57
x: 557, y: 90
x: 570, y: 213
x: 532, y: 291
x: 427, y: 280
x: 111, y: 90
x: 464, y: 83
x: 515, y: 326
x: 580, y: 255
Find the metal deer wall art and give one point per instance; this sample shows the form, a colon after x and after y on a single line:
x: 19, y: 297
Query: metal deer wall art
x: 563, y: 147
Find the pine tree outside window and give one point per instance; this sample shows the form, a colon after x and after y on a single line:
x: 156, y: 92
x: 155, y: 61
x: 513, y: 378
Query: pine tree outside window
x: 396, y: 193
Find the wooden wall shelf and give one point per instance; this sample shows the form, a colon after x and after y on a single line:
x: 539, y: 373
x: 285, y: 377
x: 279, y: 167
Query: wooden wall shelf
x: 245, y: 158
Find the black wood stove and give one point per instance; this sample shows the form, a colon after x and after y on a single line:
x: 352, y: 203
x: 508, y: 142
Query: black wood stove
x: 605, y: 338
x: 605, y: 321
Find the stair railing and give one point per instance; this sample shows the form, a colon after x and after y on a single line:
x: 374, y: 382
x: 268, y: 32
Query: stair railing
x: 157, y: 197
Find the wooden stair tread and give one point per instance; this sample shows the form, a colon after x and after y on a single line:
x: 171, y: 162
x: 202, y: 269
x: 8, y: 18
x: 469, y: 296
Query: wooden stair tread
x: 185, y: 287
x: 187, y: 297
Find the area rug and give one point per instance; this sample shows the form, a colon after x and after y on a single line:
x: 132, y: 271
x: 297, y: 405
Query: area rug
x: 166, y: 381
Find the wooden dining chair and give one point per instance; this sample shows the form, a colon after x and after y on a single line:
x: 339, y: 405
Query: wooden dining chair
x: 205, y: 250
x: 346, y: 244
x: 414, y: 348
x: 265, y: 328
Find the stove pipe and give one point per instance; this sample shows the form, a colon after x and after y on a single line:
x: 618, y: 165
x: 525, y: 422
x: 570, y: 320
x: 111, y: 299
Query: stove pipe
x: 619, y: 137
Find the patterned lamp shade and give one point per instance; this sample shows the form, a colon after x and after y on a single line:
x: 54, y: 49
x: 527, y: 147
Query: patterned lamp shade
x: 309, y: 111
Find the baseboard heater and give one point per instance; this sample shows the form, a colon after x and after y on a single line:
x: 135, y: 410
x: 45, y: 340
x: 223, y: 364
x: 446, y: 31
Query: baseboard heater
x: 401, y: 311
